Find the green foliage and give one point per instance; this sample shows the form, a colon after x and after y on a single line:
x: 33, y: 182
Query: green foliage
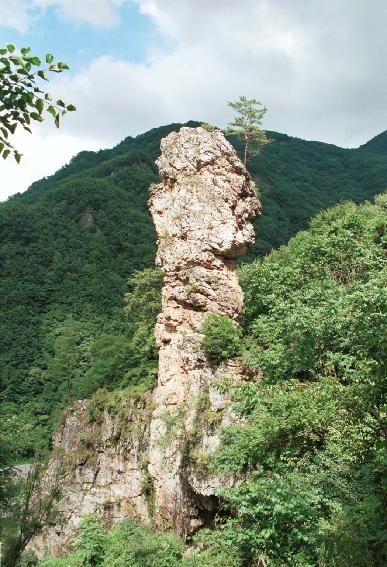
x: 246, y: 125
x: 130, y: 543
x: 89, y: 547
x: 27, y: 559
x: 298, y: 179
x: 69, y: 244
x: 90, y: 543
x: 115, y: 401
x: 222, y: 338
x: 60, y: 562
x: 208, y: 127
x: 110, y: 359
x: 21, y: 97
x: 377, y: 145
x: 310, y: 444
x: 8, y: 450
x: 136, y: 545
x: 142, y: 305
x: 211, y: 551
x: 308, y: 451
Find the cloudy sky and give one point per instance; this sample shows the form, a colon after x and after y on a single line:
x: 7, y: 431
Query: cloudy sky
x: 319, y: 66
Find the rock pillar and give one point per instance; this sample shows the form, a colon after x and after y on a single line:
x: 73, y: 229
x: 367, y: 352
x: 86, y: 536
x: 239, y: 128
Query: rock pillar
x: 202, y: 211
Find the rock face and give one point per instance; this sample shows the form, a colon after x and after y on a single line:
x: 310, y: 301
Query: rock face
x: 203, y: 211
x: 98, y: 463
x: 150, y: 460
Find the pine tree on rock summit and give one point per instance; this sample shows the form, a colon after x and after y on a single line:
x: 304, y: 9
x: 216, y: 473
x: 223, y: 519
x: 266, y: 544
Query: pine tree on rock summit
x: 246, y: 125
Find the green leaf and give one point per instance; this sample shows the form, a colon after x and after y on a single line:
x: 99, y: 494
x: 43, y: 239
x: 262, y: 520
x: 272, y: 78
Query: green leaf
x: 11, y: 128
x: 36, y: 116
x: 52, y: 111
x: 17, y: 157
x: 25, y: 50
x: 35, y: 61
x: 60, y: 103
x: 43, y: 75
x: 71, y: 108
x: 15, y: 59
x: 57, y: 120
x: 49, y: 58
x: 6, y: 153
x: 39, y: 105
x: 11, y: 48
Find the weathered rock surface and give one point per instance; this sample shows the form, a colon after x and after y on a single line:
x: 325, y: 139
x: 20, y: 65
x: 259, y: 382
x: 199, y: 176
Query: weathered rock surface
x: 99, y: 465
x: 203, y: 211
x: 151, y: 462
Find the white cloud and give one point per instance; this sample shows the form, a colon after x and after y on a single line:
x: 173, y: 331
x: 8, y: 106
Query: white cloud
x: 98, y: 13
x: 319, y: 68
x: 19, y: 14
x: 13, y: 14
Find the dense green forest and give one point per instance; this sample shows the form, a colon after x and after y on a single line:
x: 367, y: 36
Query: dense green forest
x: 310, y: 449
x: 71, y: 241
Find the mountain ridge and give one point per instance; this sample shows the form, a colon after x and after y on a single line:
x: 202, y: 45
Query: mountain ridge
x: 376, y: 144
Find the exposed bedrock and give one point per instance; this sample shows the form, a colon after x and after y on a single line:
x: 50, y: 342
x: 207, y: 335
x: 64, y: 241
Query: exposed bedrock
x: 149, y: 457
x: 203, y: 211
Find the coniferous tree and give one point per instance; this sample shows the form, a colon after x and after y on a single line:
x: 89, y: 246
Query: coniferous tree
x: 246, y: 125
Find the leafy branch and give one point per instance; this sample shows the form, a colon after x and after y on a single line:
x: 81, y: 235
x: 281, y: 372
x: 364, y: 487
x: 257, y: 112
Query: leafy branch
x: 22, y: 100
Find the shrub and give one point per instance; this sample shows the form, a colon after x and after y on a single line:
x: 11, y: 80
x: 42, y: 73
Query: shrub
x: 222, y: 338
x: 128, y: 544
x: 138, y: 546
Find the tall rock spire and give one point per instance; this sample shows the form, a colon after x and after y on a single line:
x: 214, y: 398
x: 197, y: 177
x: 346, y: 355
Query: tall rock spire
x: 202, y: 211
x: 148, y: 458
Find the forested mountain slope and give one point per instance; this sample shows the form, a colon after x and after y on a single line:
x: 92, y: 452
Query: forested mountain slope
x: 70, y: 242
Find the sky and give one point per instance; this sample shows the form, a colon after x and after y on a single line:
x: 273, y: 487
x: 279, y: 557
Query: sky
x: 318, y: 66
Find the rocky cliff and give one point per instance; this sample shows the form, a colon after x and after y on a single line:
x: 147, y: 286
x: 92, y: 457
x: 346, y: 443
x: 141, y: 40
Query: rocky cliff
x: 203, y: 211
x: 148, y: 457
